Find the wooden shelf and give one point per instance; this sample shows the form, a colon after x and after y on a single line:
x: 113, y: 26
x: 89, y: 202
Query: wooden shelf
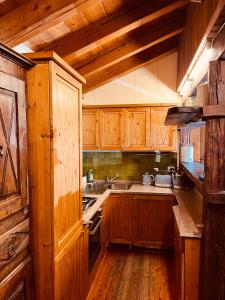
x: 192, y: 170
x: 213, y: 111
x: 183, y: 115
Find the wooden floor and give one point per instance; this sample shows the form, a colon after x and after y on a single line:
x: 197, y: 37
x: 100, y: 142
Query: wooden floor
x: 134, y: 275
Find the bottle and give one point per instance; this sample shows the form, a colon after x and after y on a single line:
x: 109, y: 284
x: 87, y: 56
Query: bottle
x: 90, y: 176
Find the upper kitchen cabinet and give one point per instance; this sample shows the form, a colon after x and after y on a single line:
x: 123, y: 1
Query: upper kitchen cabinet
x: 137, y: 128
x: 15, y: 256
x: 162, y: 137
x: 112, y: 128
x: 91, y: 134
x: 127, y: 128
x: 54, y: 139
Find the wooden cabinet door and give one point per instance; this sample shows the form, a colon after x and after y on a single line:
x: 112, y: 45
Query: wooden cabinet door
x: 66, y: 164
x: 137, y: 128
x: 111, y: 128
x: 153, y: 221
x: 14, y: 221
x: 162, y: 137
x: 91, y: 132
x: 120, y: 224
x: 105, y: 224
x: 68, y: 267
x: 66, y: 174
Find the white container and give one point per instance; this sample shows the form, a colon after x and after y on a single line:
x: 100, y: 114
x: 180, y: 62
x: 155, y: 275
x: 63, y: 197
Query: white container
x: 147, y: 179
x: 84, y: 181
x: 186, y: 153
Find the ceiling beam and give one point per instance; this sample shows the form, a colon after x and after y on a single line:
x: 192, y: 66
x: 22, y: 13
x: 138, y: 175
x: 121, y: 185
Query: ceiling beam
x: 127, y: 65
x: 155, y: 33
x: 34, y: 17
x: 111, y: 27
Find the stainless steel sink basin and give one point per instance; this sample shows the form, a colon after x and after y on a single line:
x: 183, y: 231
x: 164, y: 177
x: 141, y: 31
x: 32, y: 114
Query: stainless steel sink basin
x: 120, y: 186
x: 95, y: 189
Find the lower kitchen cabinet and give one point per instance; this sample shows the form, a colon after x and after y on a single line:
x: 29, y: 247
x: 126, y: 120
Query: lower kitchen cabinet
x: 120, y: 225
x: 153, y: 221
x: 142, y: 220
x: 186, y: 262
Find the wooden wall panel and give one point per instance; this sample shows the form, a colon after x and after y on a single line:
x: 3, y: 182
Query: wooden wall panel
x: 213, y: 254
x: 197, y: 19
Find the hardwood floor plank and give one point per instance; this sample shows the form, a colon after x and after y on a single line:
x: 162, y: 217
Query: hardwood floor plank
x: 133, y: 275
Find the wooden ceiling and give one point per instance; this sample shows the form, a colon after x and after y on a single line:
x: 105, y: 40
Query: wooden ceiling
x: 101, y: 39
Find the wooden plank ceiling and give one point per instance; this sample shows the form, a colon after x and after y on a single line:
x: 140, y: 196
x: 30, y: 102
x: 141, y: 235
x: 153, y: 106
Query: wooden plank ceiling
x: 101, y: 39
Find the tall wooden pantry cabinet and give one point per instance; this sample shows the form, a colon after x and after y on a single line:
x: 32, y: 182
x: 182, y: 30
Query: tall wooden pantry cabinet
x: 15, y: 259
x: 54, y: 139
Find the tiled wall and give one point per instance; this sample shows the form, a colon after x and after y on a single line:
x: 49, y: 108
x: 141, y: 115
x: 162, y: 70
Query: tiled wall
x: 129, y: 165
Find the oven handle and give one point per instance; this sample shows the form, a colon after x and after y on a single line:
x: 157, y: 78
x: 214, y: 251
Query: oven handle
x: 96, y: 227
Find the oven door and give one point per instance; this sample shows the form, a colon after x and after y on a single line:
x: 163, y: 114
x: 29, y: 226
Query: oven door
x: 94, y: 239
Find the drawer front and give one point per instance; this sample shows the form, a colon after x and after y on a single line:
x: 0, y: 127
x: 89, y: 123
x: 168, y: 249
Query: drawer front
x: 14, y: 246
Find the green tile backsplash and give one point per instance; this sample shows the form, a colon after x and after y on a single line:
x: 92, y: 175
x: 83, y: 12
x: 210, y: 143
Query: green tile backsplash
x: 129, y: 165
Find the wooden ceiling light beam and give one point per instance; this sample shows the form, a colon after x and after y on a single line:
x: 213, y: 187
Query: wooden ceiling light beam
x: 155, y: 33
x: 111, y: 27
x: 34, y: 17
x: 132, y: 63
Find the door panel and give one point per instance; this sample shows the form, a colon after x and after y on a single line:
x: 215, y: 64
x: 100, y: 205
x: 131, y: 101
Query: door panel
x: 120, y: 223
x: 162, y: 137
x: 8, y: 144
x: 153, y: 221
x: 68, y: 266
x: 137, y: 128
x: 66, y: 162
x: 14, y: 221
x: 90, y: 129
x: 112, y: 128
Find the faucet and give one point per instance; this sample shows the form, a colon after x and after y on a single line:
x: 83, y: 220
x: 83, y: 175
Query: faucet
x: 109, y: 181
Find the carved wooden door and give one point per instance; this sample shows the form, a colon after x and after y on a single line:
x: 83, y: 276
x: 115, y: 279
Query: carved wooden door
x: 162, y: 137
x: 9, y: 181
x: 137, y: 128
x: 14, y: 221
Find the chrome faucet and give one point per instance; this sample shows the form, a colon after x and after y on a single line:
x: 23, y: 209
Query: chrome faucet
x: 109, y: 181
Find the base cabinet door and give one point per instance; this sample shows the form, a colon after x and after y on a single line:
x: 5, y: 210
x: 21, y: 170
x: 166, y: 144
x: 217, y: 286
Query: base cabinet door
x: 187, y: 264
x: 120, y: 225
x: 153, y: 221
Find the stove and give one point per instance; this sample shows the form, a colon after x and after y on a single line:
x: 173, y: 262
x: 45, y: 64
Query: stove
x: 88, y: 202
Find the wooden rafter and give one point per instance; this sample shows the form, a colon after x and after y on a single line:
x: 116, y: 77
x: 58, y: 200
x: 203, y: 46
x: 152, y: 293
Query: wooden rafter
x: 154, y: 33
x: 132, y: 63
x: 112, y: 26
x: 34, y: 17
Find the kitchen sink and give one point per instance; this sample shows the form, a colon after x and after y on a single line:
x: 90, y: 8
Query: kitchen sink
x: 120, y: 186
x: 95, y: 189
